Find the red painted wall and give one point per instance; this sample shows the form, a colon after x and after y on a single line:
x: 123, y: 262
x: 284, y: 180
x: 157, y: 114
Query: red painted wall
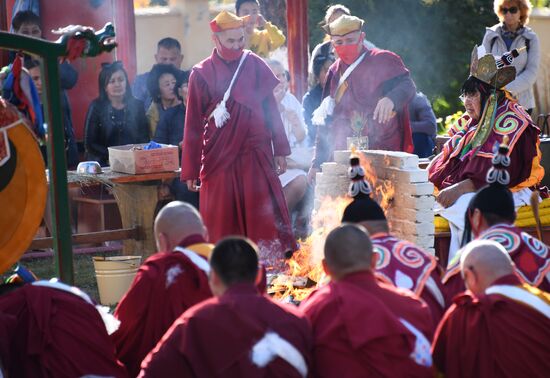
x: 59, y: 13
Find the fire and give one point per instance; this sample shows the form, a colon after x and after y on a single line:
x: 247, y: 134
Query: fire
x: 304, y: 269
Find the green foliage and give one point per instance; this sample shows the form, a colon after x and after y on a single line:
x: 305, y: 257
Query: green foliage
x: 444, y: 126
x: 433, y: 37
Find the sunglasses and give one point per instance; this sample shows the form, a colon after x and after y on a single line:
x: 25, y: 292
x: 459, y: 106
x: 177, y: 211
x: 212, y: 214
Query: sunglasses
x: 512, y: 10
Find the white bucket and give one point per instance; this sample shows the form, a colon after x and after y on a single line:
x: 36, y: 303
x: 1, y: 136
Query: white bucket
x: 114, y: 276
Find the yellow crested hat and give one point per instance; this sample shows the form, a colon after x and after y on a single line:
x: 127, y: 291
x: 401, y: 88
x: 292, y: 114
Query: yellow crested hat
x: 344, y: 25
x: 226, y: 20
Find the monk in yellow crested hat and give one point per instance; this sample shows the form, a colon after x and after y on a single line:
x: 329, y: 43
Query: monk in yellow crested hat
x: 226, y: 20
x: 343, y: 25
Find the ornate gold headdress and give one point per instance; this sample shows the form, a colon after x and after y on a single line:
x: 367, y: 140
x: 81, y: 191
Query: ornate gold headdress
x: 491, y: 70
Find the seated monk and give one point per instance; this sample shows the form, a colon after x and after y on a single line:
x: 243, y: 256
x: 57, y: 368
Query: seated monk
x: 490, y: 216
x: 398, y: 262
x: 491, y: 113
x: 501, y: 328
x: 167, y: 284
x: 49, y: 329
x: 361, y: 327
x: 239, y: 333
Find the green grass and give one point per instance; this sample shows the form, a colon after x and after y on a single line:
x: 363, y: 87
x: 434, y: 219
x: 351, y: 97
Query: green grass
x: 84, y: 272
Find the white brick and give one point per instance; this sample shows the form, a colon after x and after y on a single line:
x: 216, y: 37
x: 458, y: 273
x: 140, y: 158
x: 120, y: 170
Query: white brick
x: 399, y: 176
x: 334, y: 169
x: 342, y: 157
x: 413, y: 202
x: 407, y: 227
x: 395, y: 159
x: 413, y: 215
x: 431, y: 251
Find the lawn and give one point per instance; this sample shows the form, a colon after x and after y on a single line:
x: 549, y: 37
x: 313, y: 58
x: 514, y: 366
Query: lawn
x: 84, y: 274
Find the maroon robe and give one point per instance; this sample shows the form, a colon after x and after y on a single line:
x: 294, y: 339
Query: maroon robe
x: 54, y: 333
x: 457, y: 162
x: 530, y: 256
x: 240, y: 194
x: 492, y: 336
x: 357, y: 331
x: 165, y: 286
x: 380, y: 74
x: 216, y: 337
x: 405, y: 265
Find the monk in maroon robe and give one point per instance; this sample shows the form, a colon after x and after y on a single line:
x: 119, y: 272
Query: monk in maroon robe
x: 240, y: 333
x: 166, y: 285
x: 499, y: 329
x: 370, y: 101
x: 238, y: 158
x: 490, y: 216
x: 398, y: 262
x: 362, y: 327
x: 54, y: 330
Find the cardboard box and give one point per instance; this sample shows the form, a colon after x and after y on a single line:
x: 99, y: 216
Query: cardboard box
x: 127, y: 159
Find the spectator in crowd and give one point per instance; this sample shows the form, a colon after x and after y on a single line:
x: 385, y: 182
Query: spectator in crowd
x: 423, y: 125
x: 294, y: 180
x: 261, y: 36
x: 170, y: 131
x: 511, y: 33
x: 162, y: 86
x: 321, y: 63
x: 29, y: 24
x: 168, y: 52
x: 239, y: 333
x: 114, y: 118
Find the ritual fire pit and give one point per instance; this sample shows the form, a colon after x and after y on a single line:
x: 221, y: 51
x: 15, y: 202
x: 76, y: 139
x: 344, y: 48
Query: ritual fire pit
x: 399, y: 186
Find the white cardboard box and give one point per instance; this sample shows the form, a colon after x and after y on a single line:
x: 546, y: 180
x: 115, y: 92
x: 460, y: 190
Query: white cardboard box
x: 129, y: 159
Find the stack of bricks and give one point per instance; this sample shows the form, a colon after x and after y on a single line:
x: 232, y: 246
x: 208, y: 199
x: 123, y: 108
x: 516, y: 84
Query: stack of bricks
x: 410, y: 214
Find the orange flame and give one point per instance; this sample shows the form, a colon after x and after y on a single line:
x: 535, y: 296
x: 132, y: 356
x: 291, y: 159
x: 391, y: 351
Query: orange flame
x: 304, y: 269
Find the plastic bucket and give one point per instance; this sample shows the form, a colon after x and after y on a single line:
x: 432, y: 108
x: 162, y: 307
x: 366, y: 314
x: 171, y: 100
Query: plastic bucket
x: 114, y: 276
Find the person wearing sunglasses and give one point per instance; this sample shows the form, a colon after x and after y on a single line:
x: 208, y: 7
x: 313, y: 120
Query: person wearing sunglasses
x: 512, y: 33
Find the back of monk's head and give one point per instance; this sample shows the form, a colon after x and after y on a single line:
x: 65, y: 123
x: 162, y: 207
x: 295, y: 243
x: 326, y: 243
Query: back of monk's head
x: 176, y: 221
x: 347, y: 249
x: 482, y: 262
x: 235, y: 260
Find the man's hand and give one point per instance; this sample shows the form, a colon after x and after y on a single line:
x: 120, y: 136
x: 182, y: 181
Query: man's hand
x: 311, y: 175
x: 280, y: 164
x: 448, y: 196
x: 193, y: 185
x: 279, y: 92
x: 384, y: 110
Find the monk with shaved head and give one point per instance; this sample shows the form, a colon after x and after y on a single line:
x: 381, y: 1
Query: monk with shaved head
x: 167, y: 284
x: 363, y: 327
x: 501, y: 327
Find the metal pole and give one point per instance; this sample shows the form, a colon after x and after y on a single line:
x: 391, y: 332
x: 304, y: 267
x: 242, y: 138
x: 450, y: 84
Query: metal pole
x: 57, y: 167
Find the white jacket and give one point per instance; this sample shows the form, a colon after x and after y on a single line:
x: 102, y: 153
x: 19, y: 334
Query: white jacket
x: 527, y: 64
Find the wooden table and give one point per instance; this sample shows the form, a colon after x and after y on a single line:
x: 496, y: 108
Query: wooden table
x: 136, y: 197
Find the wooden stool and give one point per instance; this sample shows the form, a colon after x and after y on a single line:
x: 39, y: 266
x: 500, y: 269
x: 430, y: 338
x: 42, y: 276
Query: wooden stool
x: 97, y: 214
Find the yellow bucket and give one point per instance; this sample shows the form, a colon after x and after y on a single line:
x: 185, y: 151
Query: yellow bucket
x: 114, y: 276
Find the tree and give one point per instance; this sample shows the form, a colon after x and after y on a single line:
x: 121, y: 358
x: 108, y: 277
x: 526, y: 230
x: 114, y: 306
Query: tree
x: 434, y: 37
x: 275, y: 11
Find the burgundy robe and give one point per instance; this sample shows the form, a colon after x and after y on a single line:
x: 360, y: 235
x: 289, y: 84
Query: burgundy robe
x: 54, y: 333
x: 241, y: 194
x: 380, y: 74
x: 357, y: 331
x: 457, y: 162
x: 530, y: 256
x: 493, y: 336
x: 405, y: 265
x: 165, y: 286
x: 216, y: 337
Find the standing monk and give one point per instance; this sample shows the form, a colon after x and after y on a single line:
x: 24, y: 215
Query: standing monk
x: 235, y: 142
x: 501, y: 328
x: 366, y: 94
